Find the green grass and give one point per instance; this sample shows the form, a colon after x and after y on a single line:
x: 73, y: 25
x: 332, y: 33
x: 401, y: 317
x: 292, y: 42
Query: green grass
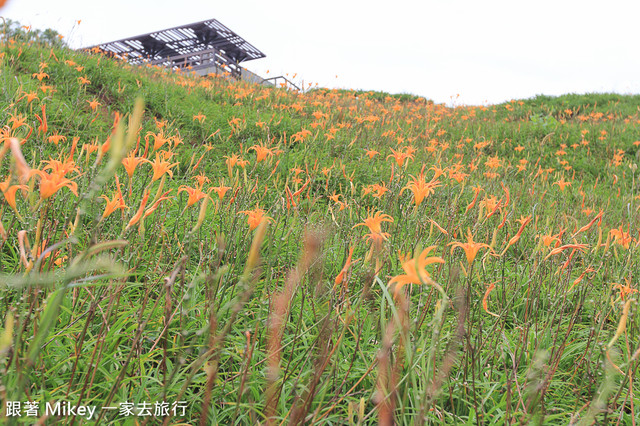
x: 251, y: 325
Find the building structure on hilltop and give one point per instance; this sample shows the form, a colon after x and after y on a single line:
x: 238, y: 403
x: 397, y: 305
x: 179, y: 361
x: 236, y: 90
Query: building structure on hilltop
x: 205, y: 47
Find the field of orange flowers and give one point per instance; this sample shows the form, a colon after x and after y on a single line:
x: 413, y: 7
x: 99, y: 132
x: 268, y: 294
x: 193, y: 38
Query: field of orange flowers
x: 239, y: 254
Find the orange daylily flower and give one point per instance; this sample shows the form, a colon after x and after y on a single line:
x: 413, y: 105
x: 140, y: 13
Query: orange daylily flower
x: 493, y: 163
x: 131, y: 161
x: 195, y: 194
x: 117, y: 202
x: 374, y: 222
x: 176, y: 139
x: 470, y: 248
x: 336, y: 199
x: 50, y: 183
x: 243, y: 163
x: 30, y: 97
x: 255, y: 217
x: 202, y: 179
x: 376, y: 190
x: 45, y: 252
x: 491, y: 204
x: 376, y: 238
x: 46, y: 88
x: 40, y: 75
x: 231, y: 162
x: 548, y: 239
x: 9, y: 191
x: 437, y: 171
x: 159, y: 123
x: 221, y: 190
x: 234, y: 122
x: 399, y: 156
x: 94, y: 104
x: 621, y: 237
x: 160, y: 167
x: 421, y: 188
x: 625, y: 290
x: 17, y: 121
x: 522, y: 166
x: 112, y: 205
x: 587, y: 211
x: 414, y: 268
x: 262, y: 151
x: 562, y: 183
x: 61, y: 167
x: 371, y: 153
x: 409, y: 150
x: 159, y: 139
x: 55, y: 139
x: 300, y: 136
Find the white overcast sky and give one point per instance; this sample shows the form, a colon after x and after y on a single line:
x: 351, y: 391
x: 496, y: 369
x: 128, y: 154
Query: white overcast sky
x: 485, y: 51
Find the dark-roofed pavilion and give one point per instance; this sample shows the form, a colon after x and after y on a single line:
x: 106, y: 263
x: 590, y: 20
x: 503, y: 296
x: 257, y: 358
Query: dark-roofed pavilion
x: 204, y: 47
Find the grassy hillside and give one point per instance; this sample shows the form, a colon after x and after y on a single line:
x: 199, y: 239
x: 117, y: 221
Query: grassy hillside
x: 249, y: 255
